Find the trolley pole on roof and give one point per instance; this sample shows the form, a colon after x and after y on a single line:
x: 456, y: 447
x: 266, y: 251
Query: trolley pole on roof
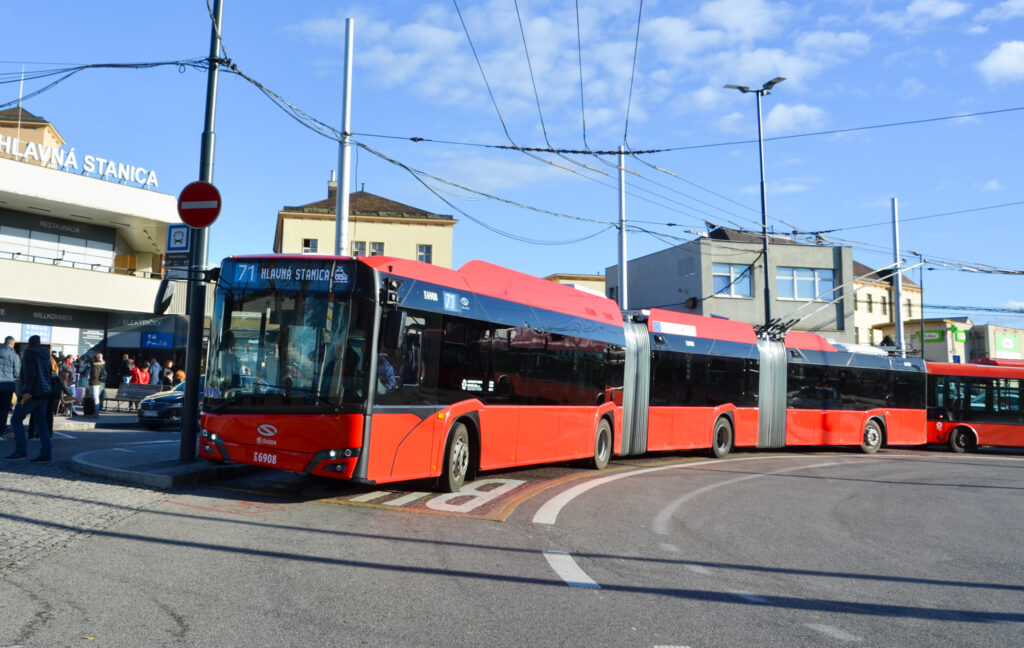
x: 197, y: 262
x: 623, y: 274
x: 344, y: 151
x: 897, y: 283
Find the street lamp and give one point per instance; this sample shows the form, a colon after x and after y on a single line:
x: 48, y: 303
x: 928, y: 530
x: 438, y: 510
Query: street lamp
x: 765, y: 89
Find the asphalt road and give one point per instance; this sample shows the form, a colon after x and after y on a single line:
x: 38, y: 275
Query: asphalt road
x: 907, y: 549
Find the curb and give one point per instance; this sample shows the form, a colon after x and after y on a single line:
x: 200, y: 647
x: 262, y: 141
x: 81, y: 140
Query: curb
x: 163, y: 475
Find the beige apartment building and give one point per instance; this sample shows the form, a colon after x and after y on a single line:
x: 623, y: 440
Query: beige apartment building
x: 82, y: 240
x: 873, y: 314
x: 377, y: 227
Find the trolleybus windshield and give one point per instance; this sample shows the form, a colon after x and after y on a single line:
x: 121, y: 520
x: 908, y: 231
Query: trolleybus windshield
x: 292, y: 336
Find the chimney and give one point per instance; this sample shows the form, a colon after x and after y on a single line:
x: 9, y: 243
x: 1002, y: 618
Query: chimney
x: 332, y: 188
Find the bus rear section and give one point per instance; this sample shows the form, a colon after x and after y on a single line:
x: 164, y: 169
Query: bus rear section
x: 972, y: 405
x: 838, y: 398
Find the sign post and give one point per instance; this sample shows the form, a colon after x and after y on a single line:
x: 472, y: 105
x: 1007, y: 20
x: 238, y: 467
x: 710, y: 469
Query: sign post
x: 197, y: 291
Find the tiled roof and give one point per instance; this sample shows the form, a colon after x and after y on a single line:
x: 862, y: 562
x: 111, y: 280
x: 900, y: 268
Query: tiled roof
x: 865, y: 273
x: 363, y: 203
x: 11, y: 114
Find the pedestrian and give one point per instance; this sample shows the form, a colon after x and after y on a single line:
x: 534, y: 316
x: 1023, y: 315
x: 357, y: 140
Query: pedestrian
x: 66, y: 377
x: 33, y: 395
x: 10, y: 366
x: 98, y: 380
x: 84, y: 369
x: 167, y: 374
x: 124, y: 372
x: 179, y: 377
x: 139, y: 375
x: 154, y: 372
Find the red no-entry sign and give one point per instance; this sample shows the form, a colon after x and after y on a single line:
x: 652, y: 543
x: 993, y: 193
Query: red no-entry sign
x: 199, y: 204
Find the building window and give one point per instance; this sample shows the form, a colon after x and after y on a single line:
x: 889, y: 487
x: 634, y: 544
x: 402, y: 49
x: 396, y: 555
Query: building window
x: 376, y: 249
x: 871, y: 305
x: 309, y: 246
x: 731, y: 279
x: 883, y: 303
x: 425, y: 253
x: 910, y: 309
x: 806, y: 284
x: 358, y: 248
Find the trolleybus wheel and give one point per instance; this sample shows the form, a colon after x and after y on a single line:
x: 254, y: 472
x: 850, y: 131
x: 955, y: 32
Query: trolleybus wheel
x: 456, y: 459
x: 602, y: 445
x: 960, y: 441
x: 872, y: 437
x: 721, y: 439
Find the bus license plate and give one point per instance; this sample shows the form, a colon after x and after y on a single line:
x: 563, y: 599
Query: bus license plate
x: 264, y: 458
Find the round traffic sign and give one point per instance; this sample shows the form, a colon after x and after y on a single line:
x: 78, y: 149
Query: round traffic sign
x: 199, y: 204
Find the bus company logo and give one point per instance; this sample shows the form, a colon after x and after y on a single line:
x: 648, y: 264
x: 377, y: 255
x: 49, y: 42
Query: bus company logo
x: 267, y: 430
x: 340, y: 276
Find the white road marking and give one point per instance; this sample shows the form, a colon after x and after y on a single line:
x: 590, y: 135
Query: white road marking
x: 833, y: 632
x: 660, y: 525
x: 404, y: 499
x: 669, y: 547
x: 548, y: 512
x: 369, y: 497
x: 697, y: 569
x: 61, y: 435
x: 569, y: 571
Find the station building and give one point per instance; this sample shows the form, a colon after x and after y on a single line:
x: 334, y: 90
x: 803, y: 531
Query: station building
x: 82, y: 243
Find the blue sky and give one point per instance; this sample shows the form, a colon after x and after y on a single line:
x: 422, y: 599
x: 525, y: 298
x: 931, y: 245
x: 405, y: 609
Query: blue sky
x: 848, y: 65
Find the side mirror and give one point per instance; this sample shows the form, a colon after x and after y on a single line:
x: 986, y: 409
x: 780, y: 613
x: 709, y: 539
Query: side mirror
x: 164, y: 294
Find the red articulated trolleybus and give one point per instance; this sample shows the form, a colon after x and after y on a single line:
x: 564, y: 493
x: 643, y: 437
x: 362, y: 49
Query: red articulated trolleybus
x: 378, y: 369
x: 976, y: 404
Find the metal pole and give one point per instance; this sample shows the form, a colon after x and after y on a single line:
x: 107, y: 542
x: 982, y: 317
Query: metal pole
x: 344, y: 151
x: 764, y: 220
x: 197, y: 260
x: 921, y: 284
x: 623, y: 273
x: 898, y: 280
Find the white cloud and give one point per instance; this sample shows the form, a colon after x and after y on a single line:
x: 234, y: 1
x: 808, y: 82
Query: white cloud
x: 745, y: 20
x: 1005, y: 63
x: 677, y: 39
x: 992, y: 185
x: 911, y: 88
x: 735, y: 122
x: 920, y: 14
x: 784, y: 119
x: 1002, y: 11
x: 977, y: 30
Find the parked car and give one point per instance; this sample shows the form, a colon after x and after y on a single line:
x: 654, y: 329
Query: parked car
x: 164, y: 407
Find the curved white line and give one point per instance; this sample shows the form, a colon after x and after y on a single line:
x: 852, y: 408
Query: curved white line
x: 660, y: 525
x: 548, y: 512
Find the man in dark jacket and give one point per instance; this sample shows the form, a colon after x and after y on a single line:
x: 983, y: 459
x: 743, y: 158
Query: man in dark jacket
x: 98, y: 380
x: 33, y: 396
x: 10, y: 367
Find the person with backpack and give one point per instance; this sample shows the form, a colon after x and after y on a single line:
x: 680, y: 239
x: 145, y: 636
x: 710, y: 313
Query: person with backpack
x: 34, y: 386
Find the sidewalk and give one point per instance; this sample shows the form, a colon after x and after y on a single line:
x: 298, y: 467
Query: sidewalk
x: 155, y: 464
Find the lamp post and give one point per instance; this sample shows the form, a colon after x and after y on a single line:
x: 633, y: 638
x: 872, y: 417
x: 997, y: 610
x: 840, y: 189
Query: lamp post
x: 765, y: 89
